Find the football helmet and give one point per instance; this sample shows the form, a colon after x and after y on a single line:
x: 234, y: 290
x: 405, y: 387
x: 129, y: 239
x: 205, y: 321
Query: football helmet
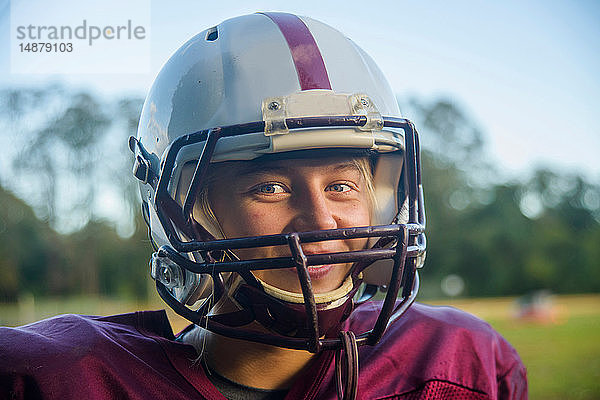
x: 274, y: 85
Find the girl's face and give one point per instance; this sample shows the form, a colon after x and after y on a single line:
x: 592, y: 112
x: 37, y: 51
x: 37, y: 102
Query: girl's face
x: 286, y: 196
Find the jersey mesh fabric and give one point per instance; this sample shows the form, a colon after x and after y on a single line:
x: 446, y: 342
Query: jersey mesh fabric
x: 441, y: 390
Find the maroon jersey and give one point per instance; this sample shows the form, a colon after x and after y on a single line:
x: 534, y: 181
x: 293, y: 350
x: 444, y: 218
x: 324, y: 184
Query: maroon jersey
x: 429, y: 353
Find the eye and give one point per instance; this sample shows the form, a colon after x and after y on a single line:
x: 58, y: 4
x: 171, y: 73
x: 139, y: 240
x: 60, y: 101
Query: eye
x: 270, y: 188
x: 339, y: 188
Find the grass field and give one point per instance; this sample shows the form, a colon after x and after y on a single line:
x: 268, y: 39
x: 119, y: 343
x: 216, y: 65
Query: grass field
x: 562, y: 352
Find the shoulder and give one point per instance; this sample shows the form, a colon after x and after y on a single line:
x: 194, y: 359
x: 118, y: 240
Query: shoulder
x: 84, y: 350
x: 445, y: 321
x: 423, y: 323
x: 419, y: 313
x: 433, y: 343
x: 73, y: 336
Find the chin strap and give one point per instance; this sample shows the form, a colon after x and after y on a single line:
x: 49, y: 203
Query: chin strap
x: 347, y: 387
x: 332, y: 298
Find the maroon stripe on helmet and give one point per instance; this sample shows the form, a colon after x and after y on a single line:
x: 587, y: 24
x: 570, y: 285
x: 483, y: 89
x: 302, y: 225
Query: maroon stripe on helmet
x: 307, y: 57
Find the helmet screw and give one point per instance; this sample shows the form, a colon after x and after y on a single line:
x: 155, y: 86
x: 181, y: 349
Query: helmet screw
x: 364, y: 102
x: 166, y: 275
x: 273, y: 106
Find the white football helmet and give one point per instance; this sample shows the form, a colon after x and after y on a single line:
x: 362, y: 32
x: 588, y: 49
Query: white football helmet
x: 264, y: 85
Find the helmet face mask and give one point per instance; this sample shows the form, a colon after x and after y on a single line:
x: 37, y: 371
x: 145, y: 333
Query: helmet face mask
x: 196, y: 266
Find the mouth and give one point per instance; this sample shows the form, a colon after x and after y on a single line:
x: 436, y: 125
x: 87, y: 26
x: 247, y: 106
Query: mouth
x: 324, y: 278
x: 319, y: 271
x: 315, y: 272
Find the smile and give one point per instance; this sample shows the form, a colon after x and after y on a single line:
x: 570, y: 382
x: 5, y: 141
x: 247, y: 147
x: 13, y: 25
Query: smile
x: 315, y: 272
x: 319, y: 271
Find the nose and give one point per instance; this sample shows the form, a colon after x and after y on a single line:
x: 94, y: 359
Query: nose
x: 315, y: 211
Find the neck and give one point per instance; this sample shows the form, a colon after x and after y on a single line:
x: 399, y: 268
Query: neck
x: 239, y: 360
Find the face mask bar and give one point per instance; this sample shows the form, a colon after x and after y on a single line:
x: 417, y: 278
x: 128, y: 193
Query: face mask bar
x: 407, y: 254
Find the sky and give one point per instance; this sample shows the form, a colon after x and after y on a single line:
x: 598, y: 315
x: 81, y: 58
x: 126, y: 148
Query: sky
x: 528, y: 73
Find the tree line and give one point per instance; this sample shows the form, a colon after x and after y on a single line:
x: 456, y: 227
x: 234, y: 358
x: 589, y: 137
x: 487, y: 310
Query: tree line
x: 66, y: 158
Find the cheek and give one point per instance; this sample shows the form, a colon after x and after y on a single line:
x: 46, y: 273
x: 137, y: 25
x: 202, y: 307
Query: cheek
x: 253, y: 221
x: 356, y: 214
x: 256, y: 221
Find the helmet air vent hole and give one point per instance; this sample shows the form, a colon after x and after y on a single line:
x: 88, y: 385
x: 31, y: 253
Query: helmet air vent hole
x: 212, y: 34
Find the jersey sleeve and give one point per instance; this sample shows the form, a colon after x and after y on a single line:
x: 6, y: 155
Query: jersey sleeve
x: 513, y: 384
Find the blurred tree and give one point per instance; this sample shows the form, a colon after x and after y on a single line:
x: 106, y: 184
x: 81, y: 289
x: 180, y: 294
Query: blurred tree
x: 501, y: 238
x: 35, y: 259
x: 71, y: 152
x: 565, y: 250
x: 28, y: 251
x: 455, y: 174
x: 60, y: 151
x: 113, y: 265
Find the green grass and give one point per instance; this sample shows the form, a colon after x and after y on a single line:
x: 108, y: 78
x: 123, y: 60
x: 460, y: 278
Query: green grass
x: 562, y: 353
x: 29, y: 310
x: 563, y: 360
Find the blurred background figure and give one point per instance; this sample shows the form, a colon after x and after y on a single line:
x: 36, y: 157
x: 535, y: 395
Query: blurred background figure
x: 537, y: 307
